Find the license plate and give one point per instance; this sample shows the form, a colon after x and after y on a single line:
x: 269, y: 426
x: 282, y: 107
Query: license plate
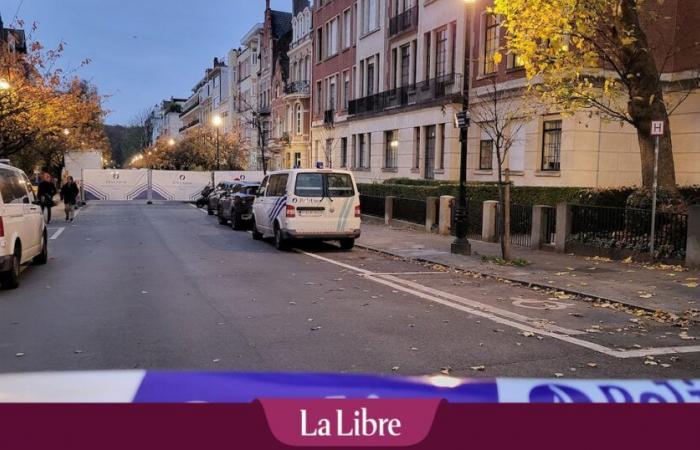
x: 310, y: 213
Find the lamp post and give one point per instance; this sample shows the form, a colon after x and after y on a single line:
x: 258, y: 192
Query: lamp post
x: 216, y: 121
x: 461, y: 244
x: 4, y: 85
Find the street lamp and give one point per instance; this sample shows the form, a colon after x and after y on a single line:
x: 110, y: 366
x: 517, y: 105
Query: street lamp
x: 461, y: 244
x: 217, y: 121
x: 4, y: 85
x: 171, y: 142
x: 66, y: 132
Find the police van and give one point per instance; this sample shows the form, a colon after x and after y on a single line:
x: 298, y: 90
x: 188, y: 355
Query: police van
x: 320, y: 204
x: 23, y: 236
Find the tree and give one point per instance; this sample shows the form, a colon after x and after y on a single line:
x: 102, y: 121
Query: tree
x: 598, y: 54
x: 328, y: 142
x: 45, y: 112
x: 501, y: 114
x: 197, y: 151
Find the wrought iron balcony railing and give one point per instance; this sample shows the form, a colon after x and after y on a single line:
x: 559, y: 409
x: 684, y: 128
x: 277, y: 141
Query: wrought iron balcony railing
x: 404, y: 21
x: 441, y: 88
x: 298, y: 87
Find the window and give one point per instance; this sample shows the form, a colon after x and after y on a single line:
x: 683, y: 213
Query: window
x: 551, y: 145
x: 299, y: 119
x: 319, y: 48
x: 309, y: 185
x: 331, y: 94
x: 332, y: 36
x: 515, y: 61
x: 339, y: 185
x: 343, y: 152
x: 490, y: 43
x: 319, y: 97
x: 370, y: 15
x: 405, y: 65
x: 329, y: 151
x: 427, y: 56
x: 361, y: 151
x: 346, y: 90
x: 370, y: 78
x: 391, y: 149
x: 441, y: 52
x: 443, y: 141
x: 486, y: 154
x: 277, y: 186
x: 416, y: 148
x: 13, y: 187
x: 297, y: 160
x: 347, y: 29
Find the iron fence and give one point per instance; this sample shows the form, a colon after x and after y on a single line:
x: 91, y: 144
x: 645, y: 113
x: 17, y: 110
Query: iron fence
x: 475, y: 215
x: 373, y: 206
x: 404, y: 21
x: 410, y: 210
x: 520, y: 225
x: 549, y: 226
x: 629, y: 229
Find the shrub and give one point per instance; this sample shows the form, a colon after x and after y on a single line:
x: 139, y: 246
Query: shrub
x: 605, y: 197
x: 667, y: 201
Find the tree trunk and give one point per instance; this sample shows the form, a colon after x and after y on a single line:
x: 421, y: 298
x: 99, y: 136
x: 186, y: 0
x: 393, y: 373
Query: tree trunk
x: 501, y: 217
x: 646, y: 102
x: 506, y: 218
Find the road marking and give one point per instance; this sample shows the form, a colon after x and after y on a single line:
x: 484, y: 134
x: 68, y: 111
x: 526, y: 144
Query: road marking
x: 539, y: 304
x: 57, y: 233
x: 510, y: 319
x: 407, y: 273
x: 197, y: 208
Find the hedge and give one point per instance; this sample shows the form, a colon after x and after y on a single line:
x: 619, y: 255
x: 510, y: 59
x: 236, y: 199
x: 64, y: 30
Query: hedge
x: 522, y: 195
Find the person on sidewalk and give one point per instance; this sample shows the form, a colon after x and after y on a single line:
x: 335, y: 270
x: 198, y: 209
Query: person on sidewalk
x: 69, y: 195
x: 46, y: 192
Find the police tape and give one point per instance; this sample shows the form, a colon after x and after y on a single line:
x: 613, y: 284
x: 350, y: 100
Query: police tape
x: 222, y: 387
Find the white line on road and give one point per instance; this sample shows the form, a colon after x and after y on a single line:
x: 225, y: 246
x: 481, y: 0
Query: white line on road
x: 57, y: 233
x: 492, y: 313
x: 197, y: 208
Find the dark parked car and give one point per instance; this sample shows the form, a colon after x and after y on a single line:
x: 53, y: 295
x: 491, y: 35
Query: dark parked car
x: 237, y: 205
x: 221, y: 190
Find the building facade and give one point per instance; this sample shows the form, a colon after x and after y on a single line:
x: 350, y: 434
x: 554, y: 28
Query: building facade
x: 246, y: 88
x: 333, y: 82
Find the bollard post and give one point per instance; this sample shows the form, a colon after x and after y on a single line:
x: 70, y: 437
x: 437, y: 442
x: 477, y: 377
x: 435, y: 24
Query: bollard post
x: 489, y: 219
x: 692, y: 256
x: 388, y: 209
x: 563, y: 227
x: 445, y: 221
x: 431, y: 206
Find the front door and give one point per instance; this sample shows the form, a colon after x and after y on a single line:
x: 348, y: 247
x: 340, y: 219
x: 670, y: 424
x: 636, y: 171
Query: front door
x: 430, y: 153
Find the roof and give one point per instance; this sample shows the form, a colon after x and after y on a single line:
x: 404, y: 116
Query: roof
x: 281, y: 23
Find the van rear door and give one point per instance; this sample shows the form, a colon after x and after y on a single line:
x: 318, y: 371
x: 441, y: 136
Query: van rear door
x: 323, y: 201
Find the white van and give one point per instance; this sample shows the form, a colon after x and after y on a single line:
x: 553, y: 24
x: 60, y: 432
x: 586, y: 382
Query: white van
x: 308, y: 204
x: 23, y: 236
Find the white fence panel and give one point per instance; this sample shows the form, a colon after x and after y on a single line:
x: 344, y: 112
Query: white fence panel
x: 178, y: 185
x: 101, y: 184
x: 241, y: 175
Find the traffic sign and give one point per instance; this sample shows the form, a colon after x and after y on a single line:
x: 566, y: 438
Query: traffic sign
x: 657, y: 128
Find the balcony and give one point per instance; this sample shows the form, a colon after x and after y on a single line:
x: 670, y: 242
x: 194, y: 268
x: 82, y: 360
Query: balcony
x: 328, y: 117
x: 405, y: 21
x: 298, y: 88
x: 189, y: 125
x: 444, y: 88
x: 189, y: 106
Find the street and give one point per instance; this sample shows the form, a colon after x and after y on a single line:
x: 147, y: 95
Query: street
x: 165, y: 287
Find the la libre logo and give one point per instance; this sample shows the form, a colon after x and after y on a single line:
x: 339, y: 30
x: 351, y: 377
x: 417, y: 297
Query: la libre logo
x: 355, y: 424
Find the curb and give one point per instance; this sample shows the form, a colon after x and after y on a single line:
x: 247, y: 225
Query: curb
x: 527, y: 283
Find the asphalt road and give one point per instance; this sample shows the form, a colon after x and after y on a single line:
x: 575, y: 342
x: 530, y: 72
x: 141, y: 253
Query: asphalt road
x: 165, y: 287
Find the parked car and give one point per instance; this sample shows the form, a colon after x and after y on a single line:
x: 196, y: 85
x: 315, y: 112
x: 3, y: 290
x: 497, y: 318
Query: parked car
x: 203, y: 198
x: 237, y: 206
x: 23, y: 235
x: 307, y: 204
x: 221, y: 189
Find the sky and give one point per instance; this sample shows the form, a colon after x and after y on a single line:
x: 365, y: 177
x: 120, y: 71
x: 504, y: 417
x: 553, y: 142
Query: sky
x: 141, y: 51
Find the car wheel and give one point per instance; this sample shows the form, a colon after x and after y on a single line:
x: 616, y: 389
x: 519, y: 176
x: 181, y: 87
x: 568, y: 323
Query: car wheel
x: 347, y: 244
x: 281, y: 243
x: 222, y: 220
x: 235, y: 220
x: 10, y: 279
x: 43, y: 257
x: 256, y: 234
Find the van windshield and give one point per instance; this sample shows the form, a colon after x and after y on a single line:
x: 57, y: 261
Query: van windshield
x: 324, y: 185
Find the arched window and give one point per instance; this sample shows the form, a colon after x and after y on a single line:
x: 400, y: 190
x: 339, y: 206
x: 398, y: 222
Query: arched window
x: 299, y: 119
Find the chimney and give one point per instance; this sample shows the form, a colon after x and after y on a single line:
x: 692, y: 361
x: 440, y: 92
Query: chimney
x: 267, y: 5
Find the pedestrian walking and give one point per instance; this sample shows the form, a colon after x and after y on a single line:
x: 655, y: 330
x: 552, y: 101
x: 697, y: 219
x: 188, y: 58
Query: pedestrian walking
x: 46, y: 192
x: 69, y: 195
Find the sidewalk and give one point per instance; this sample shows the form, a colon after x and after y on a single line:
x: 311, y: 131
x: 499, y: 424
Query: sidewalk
x: 669, y: 289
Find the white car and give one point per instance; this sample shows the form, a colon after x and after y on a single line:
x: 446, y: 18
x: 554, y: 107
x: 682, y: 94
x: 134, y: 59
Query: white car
x: 23, y: 236
x: 308, y: 204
